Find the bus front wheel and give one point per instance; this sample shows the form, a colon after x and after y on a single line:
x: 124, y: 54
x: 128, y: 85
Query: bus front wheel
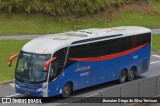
x: 67, y: 90
x: 122, y: 76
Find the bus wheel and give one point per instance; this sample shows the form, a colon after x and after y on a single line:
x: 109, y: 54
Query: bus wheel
x: 122, y: 76
x: 67, y: 90
x: 132, y: 73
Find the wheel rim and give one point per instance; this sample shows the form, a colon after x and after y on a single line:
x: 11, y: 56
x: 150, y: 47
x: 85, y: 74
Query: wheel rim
x: 131, y: 74
x: 123, y: 76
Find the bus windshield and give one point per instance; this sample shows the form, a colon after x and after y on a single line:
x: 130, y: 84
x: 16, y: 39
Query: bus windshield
x: 30, y: 67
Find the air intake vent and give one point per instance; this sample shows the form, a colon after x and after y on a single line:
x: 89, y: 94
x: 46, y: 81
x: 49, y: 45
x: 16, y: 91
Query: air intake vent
x: 60, y: 38
x: 76, y: 34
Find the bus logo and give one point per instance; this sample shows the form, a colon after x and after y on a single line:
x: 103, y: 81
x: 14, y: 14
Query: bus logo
x: 79, y: 69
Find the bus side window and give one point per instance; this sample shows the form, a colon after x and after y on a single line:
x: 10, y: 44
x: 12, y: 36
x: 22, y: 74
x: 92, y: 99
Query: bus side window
x: 115, y: 45
x: 58, y: 64
x: 127, y: 43
x: 134, y: 41
x: 146, y: 38
x: 139, y: 40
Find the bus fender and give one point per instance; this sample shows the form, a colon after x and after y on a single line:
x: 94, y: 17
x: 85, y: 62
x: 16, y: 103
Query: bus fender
x: 70, y: 82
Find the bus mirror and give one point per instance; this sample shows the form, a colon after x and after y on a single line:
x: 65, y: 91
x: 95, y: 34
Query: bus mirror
x: 11, y: 59
x: 47, y: 63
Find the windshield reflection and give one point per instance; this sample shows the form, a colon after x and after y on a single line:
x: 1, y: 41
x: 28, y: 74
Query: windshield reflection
x: 30, y: 67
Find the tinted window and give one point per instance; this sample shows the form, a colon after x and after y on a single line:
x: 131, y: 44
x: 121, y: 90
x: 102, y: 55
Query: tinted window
x: 115, y: 45
x: 146, y: 38
x: 96, y: 49
x: 136, y: 40
x: 89, y: 50
x: 107, y: 47
x: 58, y: 64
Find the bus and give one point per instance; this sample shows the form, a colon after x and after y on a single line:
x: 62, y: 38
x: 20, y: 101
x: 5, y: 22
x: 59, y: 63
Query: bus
x: 57, y: 64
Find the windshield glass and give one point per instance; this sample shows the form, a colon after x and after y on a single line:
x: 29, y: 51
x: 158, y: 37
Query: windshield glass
x: 30, y: 67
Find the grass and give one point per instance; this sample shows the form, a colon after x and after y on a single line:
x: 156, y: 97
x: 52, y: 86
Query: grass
x: 37, y: 24
x: 156, y: 43
x: 10, y: 47
x: 17, y: 24
x: 155, y: 4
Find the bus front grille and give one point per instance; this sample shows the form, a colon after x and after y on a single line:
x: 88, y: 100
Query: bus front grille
x: 28, y: 89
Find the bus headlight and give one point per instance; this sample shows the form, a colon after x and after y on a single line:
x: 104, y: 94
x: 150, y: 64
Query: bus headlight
x: 17, y: 86
x: 39, y: 89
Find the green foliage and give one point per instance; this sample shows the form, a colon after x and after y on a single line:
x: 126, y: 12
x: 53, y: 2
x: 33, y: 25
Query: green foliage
x: 9, y: 47
x: 156, y: 43
x: 61, y: 7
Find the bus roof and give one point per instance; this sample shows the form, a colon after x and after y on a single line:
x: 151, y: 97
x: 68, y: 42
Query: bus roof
x: 50, y: 43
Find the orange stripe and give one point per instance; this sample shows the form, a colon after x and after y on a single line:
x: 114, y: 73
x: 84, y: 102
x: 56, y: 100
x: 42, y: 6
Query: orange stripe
x: 110, y: 56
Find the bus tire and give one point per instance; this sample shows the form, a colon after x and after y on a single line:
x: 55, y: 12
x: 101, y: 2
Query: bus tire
x: 66, y: 90
x: 131, y: 74
x: 122, y: 76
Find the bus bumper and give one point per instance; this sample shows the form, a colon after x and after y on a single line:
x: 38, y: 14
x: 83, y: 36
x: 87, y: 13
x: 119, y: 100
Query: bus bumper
x: 29, y: 89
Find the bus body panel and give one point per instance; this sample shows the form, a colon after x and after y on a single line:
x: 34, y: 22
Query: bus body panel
x: 109, y: 70
x: 99, y: 72
x: 85, y: 68
x: 102, y: 71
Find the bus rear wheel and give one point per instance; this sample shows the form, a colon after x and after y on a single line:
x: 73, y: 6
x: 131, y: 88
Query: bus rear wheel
x: 122, y: 76
x: 132, y: 73
x: 67, y: 90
